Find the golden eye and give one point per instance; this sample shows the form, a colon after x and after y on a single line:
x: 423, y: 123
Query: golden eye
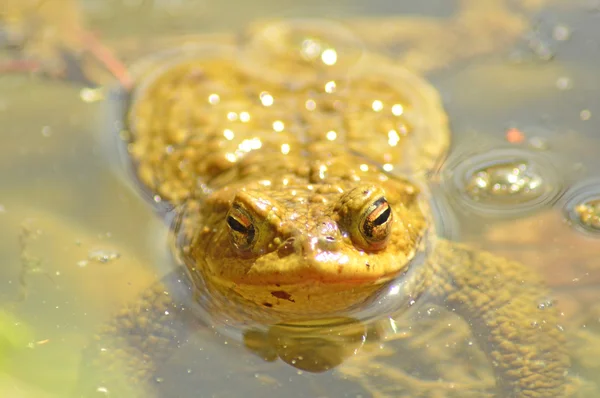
x: 376, y: 223
x: 241, y: 228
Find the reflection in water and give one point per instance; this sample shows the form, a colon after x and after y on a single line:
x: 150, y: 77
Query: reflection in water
x: 314, y: 346
x: 442, y: 344
x: 429, y: 353
x: 585, y: 346
x: 283, y: 236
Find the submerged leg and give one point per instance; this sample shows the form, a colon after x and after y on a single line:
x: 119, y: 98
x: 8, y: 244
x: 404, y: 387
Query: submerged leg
x: 510, y: 313
x: 128, y: 350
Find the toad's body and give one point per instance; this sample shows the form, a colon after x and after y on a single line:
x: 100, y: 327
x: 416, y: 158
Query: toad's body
x: 297, y: 167
x: 280, y: 153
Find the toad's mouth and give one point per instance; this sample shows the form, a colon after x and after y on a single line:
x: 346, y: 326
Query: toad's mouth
x: 326, y: 268
x: 304, y: 299
x: 309, y: 278
x: 338, y: 270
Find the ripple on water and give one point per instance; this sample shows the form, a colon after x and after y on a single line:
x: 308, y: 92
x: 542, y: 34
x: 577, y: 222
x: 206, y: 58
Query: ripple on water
x: 502, y: 182
x: 582, y: 206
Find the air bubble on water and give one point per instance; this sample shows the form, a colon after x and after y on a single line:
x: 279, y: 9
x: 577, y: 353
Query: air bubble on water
x: 502, y: 182
x: 564, y: 83
x: 561, y: 32
x: 585, y: 115
x: 46, y: 131
x: 103, y: 256
x: 582, y: 206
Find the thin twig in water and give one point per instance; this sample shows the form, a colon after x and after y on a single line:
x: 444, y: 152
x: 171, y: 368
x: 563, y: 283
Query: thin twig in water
x: 107, y: 58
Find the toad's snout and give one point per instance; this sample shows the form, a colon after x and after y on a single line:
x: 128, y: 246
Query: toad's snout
x: 309, y: 243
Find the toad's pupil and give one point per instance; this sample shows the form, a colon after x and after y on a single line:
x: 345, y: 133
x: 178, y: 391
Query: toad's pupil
x: 377, y: 217
x: 246, y: 230
x: 238, y: 226
x: 383, y: 217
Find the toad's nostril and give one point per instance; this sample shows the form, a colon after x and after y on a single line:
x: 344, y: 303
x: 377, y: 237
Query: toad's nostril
x: 328, y: 242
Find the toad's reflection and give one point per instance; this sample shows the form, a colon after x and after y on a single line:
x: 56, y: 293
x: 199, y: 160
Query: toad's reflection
x: 307, y: 345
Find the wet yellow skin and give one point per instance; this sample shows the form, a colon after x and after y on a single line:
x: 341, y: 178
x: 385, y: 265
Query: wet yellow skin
x: 305, y: 262
x: 300, y: 186
x: 204, y: 136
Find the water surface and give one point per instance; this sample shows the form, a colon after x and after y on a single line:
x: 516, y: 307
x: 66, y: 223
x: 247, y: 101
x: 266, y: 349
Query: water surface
x: 78, y: 241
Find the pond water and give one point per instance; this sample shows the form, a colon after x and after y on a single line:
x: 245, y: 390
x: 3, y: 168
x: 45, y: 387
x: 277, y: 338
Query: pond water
x: 518, y: 80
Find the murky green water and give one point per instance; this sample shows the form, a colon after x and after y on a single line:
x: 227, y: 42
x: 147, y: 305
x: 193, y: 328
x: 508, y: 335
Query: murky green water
x: 78, y: 241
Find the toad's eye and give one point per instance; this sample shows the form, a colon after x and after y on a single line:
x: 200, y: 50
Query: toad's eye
x: 241, y: 228
x: 376, y: 223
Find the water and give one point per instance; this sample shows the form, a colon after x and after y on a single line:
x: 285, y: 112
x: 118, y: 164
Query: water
x: 78, y: 241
